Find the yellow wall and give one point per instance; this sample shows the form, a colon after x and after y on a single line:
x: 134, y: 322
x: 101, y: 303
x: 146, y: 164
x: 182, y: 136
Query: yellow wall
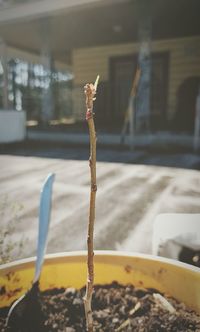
x: 88, y: 62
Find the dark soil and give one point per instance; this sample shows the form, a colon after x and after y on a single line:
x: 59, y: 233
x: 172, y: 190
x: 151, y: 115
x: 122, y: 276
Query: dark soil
x: 115, y: 308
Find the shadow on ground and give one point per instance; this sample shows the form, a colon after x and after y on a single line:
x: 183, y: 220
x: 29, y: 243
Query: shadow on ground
x: 163, y: 156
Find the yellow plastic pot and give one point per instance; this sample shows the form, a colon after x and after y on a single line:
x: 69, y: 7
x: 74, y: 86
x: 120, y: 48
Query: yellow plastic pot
x: 179, y: 280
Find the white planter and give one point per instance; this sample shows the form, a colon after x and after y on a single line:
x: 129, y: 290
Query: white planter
x: 12, y: 126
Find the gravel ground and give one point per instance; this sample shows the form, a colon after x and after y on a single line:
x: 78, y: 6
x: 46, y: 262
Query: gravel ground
x: 128, y: 199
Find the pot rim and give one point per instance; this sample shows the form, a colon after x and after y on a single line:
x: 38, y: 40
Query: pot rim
x: 83, y: 253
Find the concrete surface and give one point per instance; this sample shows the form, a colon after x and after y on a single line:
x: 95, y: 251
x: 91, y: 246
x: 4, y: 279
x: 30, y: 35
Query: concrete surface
x: 128, y: 199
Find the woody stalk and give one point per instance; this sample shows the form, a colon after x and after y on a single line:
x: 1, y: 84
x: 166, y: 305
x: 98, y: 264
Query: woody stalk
x: 90, y: 92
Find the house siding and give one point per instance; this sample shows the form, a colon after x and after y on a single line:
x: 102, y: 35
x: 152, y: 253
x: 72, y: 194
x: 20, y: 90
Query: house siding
x: 184, y: 62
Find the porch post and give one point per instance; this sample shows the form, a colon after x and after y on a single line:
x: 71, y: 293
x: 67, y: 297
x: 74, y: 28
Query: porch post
x: 47, y: 62
x: 3, y: 57
x: 196, y: 142
x: 144, y: 60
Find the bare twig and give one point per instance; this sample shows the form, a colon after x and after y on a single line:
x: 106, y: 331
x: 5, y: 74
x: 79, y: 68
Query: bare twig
x: 90, y: 92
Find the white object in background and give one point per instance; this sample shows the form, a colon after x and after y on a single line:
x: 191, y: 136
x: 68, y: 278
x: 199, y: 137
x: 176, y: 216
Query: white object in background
x: 173, y: 231
x: 12, y: 126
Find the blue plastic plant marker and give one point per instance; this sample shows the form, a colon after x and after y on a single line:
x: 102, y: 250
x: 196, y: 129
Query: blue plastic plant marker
x: 44, y: 220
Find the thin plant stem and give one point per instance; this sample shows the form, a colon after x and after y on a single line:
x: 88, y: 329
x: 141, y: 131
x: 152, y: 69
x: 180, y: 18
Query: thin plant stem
x: 90, y: 91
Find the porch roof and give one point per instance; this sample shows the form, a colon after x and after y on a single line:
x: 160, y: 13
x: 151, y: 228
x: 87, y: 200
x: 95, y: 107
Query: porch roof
x: 82, y: 23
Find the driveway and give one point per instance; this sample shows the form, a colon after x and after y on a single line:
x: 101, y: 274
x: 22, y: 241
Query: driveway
x: 128, y: 199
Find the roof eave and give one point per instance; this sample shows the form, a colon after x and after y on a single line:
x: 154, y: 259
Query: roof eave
x: 45, y: 8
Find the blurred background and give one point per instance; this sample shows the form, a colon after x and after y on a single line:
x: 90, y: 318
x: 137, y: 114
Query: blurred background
x: 148, y: 129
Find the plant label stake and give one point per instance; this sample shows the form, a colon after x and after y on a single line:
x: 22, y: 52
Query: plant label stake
x: 90, y: 92
x: 18, y: 312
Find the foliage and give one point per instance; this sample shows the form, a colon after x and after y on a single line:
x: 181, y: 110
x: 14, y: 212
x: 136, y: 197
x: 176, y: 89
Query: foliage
x: 9, y: 218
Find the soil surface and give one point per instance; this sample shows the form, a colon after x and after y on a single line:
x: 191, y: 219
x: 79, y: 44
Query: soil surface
x: 115, y: 308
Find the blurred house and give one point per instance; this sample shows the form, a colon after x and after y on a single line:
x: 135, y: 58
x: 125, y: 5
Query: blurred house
x: 50, y: 49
